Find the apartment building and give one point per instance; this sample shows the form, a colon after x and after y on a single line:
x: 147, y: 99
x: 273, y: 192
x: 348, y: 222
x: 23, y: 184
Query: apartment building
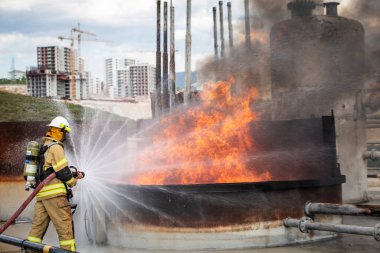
x: 116, y: 76
x: 141, y: 80
x: 128, y: 78
x: 52, y: 76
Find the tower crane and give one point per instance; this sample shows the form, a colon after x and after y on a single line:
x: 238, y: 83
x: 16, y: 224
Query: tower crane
x: 73, y: 71
x: 79, y: 32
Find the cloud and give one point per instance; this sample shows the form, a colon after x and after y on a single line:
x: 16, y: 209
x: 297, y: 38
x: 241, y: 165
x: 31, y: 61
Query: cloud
x: 130, y: 25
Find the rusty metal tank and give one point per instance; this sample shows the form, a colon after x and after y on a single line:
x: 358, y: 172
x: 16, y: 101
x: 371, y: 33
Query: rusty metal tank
x: 228, y: 215
x: 314, y: 60
x: 318, y: 65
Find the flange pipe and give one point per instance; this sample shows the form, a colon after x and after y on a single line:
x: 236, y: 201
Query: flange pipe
x: 31, y: 245
x: 305, y: 224
x: 341, y: 209
x: 373, y: 155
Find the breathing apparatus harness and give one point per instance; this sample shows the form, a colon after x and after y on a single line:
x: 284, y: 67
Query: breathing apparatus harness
x: 42, y: 174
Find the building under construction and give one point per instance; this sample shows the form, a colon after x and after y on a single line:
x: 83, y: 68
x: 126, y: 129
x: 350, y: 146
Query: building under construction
x: 52, y: 76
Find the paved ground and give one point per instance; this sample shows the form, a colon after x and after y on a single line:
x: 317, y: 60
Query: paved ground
x: 344, y: 243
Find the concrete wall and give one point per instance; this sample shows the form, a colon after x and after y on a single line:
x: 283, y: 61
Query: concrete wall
x: 351, y: 142
x: 12, y: 195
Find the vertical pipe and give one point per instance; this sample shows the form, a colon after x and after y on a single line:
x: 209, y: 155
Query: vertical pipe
x: 331, y: 8
x: 215, y: 33
x: 165, y: 84
x: 188, y: 54
x: 247, y: 26
x: 221, y: 29
x: 230, y: 31
x: 157, y: 97
x: 172, y: 59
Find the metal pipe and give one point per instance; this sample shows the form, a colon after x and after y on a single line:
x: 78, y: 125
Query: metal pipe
x: 331, y: 8
x: 157, y: 97
x: 165, y: 81
x: 215, y: 33
x: 31, y: 245
x: 188, y: 54
x: 221, y: 29
x: 341, y: 209
x: 230, y: 29
x: 247, y: 26
x: 373, y: 126
x: 305, y: 224
x: 373, y: 155
x: 172, y: 59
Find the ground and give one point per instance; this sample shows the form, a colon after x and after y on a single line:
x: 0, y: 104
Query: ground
x: 342, y: 244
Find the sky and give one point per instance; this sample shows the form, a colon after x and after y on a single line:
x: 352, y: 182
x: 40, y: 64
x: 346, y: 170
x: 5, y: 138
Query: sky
x: 128, y: 27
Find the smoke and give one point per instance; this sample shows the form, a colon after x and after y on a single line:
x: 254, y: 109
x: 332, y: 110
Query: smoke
x: 327, y: 72
x: 367, y: 12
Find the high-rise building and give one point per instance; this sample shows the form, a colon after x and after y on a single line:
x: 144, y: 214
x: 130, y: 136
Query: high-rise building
x: 128, y: 78
x: 52, y: 77
x: 114, y: 70
x: 141, y: 80
x: 97, y: 86
x: 42, y: 83
x: 54, y: 58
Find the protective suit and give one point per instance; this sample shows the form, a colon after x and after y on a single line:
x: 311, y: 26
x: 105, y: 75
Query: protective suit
x: 52, y: 203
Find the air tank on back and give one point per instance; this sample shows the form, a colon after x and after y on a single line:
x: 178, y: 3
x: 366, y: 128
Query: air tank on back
x: 318, y: 65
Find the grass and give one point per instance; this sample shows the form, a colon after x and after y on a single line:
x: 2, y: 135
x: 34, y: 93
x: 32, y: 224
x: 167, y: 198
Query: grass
x: 15, y: 107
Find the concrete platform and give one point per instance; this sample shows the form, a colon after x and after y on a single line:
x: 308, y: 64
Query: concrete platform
x: 342, y: 244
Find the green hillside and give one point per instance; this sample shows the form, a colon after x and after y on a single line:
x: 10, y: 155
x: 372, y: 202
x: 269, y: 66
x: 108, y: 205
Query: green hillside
x: 15, y: 107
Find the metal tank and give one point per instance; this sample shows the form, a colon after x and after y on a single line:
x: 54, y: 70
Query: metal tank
x: 318, y: 65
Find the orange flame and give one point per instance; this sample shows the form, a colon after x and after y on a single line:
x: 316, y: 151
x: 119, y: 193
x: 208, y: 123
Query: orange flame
x: 205, y: 144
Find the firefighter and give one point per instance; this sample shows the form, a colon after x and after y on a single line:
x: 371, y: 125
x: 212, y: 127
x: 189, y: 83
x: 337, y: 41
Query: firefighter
x: 52, y: 200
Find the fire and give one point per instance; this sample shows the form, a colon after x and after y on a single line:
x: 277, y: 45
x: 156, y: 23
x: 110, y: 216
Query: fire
x: 256, y: 36
x: 204, y: 144
x: 259, y: 36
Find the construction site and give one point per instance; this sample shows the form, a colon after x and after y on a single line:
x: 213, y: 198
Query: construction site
x: 276, y: 149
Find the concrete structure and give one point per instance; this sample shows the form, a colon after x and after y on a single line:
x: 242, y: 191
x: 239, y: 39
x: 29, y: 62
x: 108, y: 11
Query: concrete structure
x: 54, y: 58
x: 46, y: 83
x: 128, y: 78
x: 16, y: 74
x: 86, y: 84
x: 51, y: 77
x: 96, y: 86
x: 142, y: 80
x: 122, y: 82
x: 317, y: 65
x: 112, y: 66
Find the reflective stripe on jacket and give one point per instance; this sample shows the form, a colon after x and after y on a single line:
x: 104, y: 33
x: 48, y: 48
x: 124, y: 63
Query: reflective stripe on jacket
x: 55, y: 158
